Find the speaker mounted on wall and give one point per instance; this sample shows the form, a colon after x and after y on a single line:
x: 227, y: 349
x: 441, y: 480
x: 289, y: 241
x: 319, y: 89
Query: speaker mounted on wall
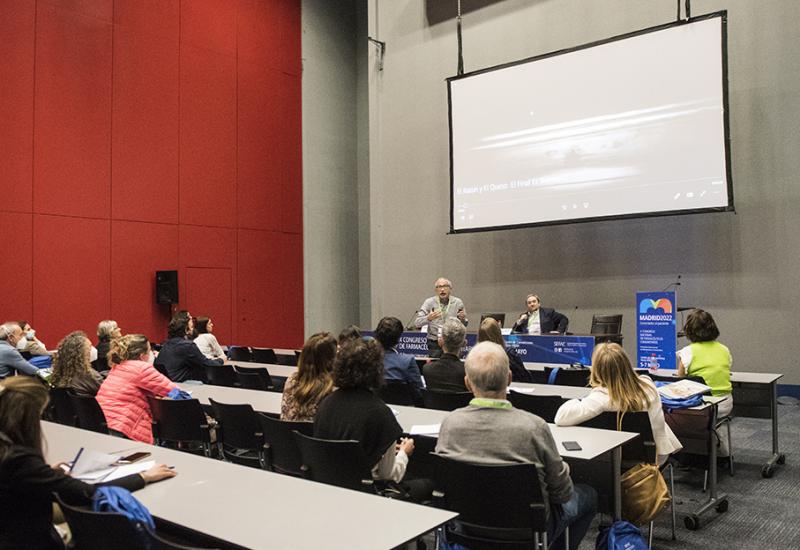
x: 166, y: 287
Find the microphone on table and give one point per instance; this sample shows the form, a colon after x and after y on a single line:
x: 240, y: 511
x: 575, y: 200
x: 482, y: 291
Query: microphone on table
x: 676, y: 284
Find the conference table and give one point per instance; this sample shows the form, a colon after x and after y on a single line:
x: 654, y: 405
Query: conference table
x: 415, y: 420
x: 256, y: 509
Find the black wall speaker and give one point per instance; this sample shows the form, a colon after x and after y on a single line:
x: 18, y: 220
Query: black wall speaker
x: 167, y: 287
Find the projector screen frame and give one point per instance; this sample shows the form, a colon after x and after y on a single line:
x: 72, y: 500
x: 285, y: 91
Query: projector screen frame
x: 721, y: 14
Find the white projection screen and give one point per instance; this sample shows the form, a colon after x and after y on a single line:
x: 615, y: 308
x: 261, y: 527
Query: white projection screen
x: 632, y: 126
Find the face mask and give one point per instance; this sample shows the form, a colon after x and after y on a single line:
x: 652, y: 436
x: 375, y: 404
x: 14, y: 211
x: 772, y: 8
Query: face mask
x: 31, y: 334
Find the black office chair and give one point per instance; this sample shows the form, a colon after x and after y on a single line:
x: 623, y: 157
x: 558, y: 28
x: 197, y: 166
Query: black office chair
x: 280, y: 451
x: 239, y: 435
x: 607, y: 328
x: 90, y: 415
x: 339, y: 463
x: 474, y: 491
x: 394, y: 392
x: 264, y: 355
x: 289, y: 360
x: 240, y: 353
x: 445, y: 401
x: 254, y: 379
x: 638, y: 450
x: 61, y: 409
x: 570, y: 377
x: 544, y: 406
x: 221, y: 375
x: 182, y: 424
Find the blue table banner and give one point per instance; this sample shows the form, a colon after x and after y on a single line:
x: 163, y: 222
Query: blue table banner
x: 655, y: 330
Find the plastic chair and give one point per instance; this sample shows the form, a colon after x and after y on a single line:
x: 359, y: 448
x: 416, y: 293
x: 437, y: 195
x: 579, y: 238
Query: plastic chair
x: 240, y: 353
x: 61, y: 408
x: 181, y: 422
x: 474, y: 491
x: 239, y: 435
x: 570, y: 377
x: 396, y: 393
x: 339, y: 463
x: 222, y: 375
x: 280, y: 451
x: 264, y: 355
x: 90, y: 415
x: 544, y: 406
x: 254, y: 379
x: 607, y: 328
x: 445, y: 401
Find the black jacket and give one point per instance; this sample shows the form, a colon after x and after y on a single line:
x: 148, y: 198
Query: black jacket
x: 549, y: 319
x: 183, y: 360
x: 445, y: 374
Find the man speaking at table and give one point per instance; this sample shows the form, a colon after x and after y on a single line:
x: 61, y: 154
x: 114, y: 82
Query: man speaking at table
x: 436, y: 310
x: 540, y: 320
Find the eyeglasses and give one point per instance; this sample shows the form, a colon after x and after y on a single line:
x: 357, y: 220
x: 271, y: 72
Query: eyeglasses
x: 442, y: 286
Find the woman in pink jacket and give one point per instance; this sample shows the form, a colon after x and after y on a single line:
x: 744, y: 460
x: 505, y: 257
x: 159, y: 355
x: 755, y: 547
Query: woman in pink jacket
x: 123, y: 395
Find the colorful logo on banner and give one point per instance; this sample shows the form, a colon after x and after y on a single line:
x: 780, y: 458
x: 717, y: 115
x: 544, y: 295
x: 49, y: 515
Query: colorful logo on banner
x: 655, y: 330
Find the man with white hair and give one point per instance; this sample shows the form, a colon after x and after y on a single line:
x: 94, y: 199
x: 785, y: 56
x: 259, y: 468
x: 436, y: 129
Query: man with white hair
x: 436, y: 310
x: 10, y: 358
x: 447, y: 373
x: 491, y: 431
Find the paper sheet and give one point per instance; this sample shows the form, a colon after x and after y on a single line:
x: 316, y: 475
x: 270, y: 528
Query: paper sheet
x: 425, y: 429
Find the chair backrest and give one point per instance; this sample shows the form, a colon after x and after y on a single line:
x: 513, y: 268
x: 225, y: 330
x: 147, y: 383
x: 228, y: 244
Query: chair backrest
x: 62, y: 410
x: 289, y: 360
x: 90, y: 415
x: 181, y: 420
x: 238, y: 429
x: 103, y: 530
x: 570, y: 377
x: 693, y: 429
x: 281, y: 451
x: 254, y: 379
x: 606, y: 324
x: 544, y: 406
x: 240, y: 353
x: 445, y: 401
x: 475, y: 491
x: 264, y: 355
x: 221, y: 375
x: 394, y: 392
x: 339, y: 463
x: 640, y: 449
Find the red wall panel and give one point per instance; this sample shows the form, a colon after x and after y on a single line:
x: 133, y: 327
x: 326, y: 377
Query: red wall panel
x: 209, y: 24
x: 138, y: 251
x: 209, y: 293
x: 289, y: 125
x: 259, y: 304
x: 72, y: 126
x: 145, y: 138
x: 16, y: 290
x: 17, y: 26
x: 269, y: 34
x: 71, y: 282
x: 159, y: 17
x: 291, y: 276
x: 207, y: 138
x: 99, y: 9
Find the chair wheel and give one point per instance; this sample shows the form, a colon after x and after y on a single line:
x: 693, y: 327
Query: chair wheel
x: 767, y: 471
x: 692, y: 522
x: 722, y: 507
x: 781, y: 459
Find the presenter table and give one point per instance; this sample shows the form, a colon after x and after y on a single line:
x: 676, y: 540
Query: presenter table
x: 255, y: 509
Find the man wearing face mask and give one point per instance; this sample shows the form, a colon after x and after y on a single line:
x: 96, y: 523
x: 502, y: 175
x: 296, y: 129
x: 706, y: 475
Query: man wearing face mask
x: 10, y: 359
x: 29, y: 343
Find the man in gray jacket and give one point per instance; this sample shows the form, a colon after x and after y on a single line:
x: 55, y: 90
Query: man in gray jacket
x: 10, y: 358
x: 491, y: 431
x: 436, y: 310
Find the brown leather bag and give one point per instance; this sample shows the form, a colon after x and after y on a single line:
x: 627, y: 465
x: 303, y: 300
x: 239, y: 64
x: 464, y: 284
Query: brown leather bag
x: 644, y: 490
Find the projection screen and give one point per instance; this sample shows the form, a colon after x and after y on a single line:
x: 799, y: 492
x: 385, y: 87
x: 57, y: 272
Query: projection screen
x: 632, y: 126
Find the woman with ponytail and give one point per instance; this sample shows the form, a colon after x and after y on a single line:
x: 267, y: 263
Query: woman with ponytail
x: 27, y: 483
x: 123, y: 395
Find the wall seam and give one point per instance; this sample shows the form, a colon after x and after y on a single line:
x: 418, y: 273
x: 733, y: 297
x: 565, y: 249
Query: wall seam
x: 33, y: 153
x: 111, y: 176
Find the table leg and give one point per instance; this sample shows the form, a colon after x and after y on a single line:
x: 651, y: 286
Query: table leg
x: 716, y: 501
x: 777, y: 458
x: 616, y: 466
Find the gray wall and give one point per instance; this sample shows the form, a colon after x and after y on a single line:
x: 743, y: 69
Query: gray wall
x: 742, y: 267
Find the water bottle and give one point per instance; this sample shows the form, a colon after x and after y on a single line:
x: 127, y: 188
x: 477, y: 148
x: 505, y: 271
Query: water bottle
x: 653, y: 364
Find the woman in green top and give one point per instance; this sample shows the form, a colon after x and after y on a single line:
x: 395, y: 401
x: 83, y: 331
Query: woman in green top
x: 709, y: 359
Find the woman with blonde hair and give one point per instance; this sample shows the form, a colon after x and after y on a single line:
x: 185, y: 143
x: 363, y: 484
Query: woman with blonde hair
x: 313, y: 380
x: 107, y: 330
x: 72, y: 368
x: 489, y: 331
x: 616, y: 388
x: 123, y: 395
x: 27, y: 482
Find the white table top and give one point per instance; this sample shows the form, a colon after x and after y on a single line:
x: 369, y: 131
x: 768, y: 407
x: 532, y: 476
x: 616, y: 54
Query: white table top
x: 568, y: 392
x: 258, y: 509
x: 736, y: 376
x: 274, y: 370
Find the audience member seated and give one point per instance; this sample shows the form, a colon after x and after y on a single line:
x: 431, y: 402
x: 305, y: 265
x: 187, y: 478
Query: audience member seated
x: 123, y: 395
x: 206, y: 341
x: 491, y: 431
x: 615, y: 387
x: 398, y: 367
x: 29, y: 343
x: 180, y: 357
x: 447, y: 372
x: 106, y: 331
x: 313, y: 380
x: 72, y: 368
x: 191, y: 331
x: 540, y: 320
x: 354, y: 412
x: 707, y: 358
x: 489, y: 331
x: 349, y: 334
x: 10, y: 359
x: 27, y: 482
